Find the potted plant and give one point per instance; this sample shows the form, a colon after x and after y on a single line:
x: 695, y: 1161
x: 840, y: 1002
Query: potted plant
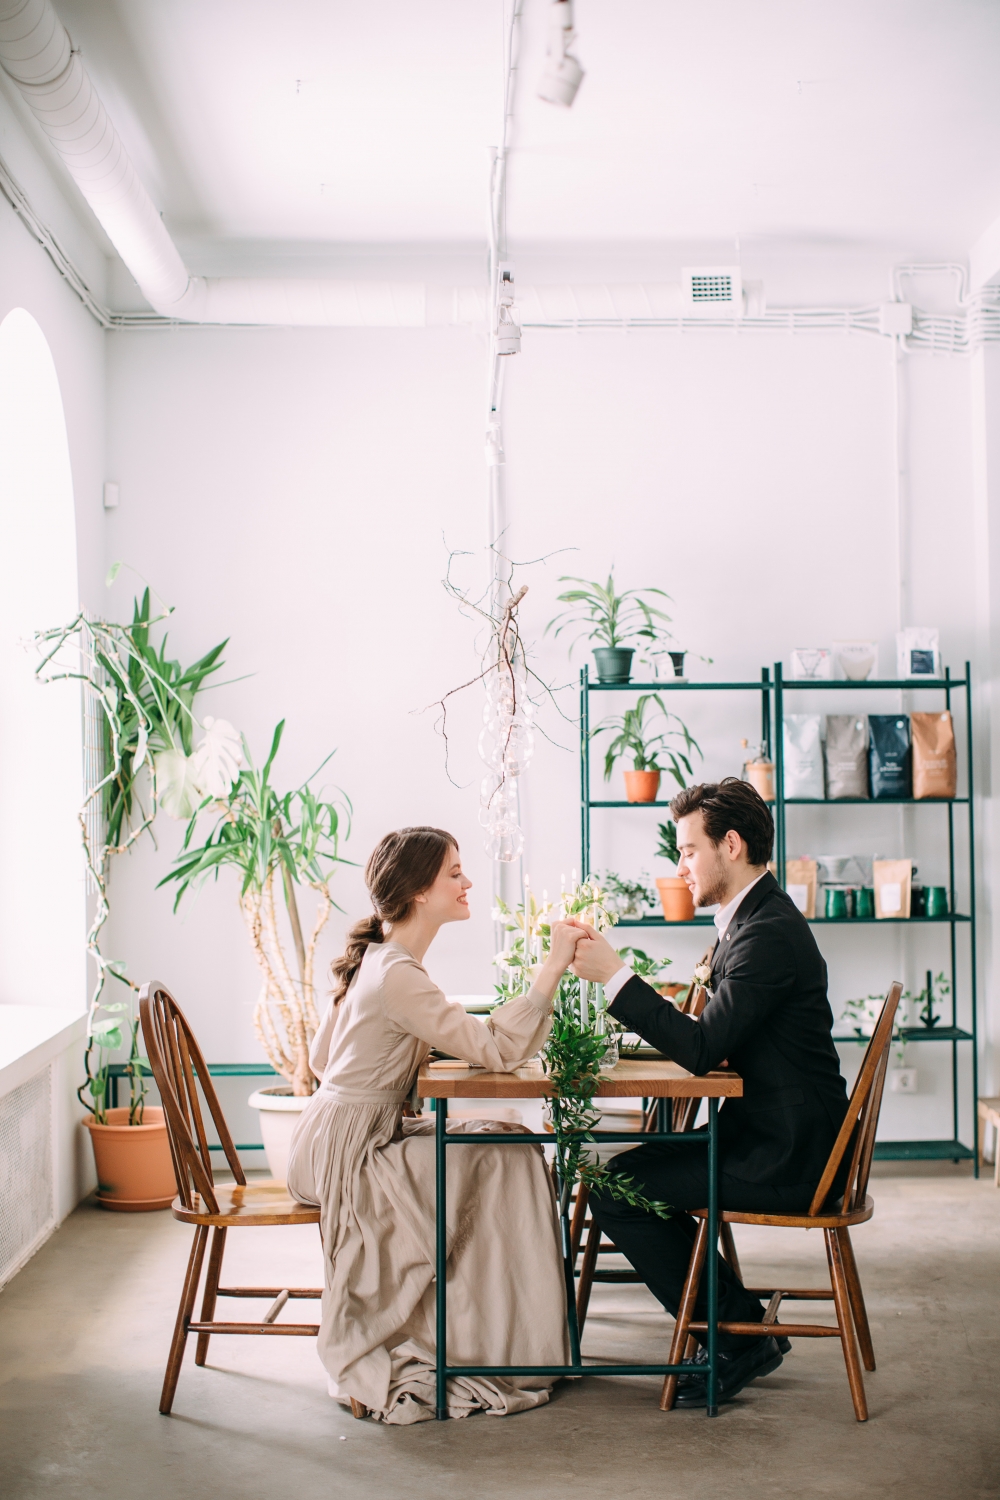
x: 675, y: 897
x: 599, y: 613
x: 628, y: 899
x: 274, y: 842
x: 638, y: 739
x: 140, y: 738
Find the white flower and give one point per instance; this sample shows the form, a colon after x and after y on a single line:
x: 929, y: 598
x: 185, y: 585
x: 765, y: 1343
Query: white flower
x: 703, y: 972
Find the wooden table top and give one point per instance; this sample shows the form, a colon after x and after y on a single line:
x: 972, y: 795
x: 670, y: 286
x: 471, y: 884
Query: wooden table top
x: 629, y: 1080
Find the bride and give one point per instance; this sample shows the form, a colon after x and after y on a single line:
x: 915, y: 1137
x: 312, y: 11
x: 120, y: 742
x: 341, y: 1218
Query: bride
x: 371, y: 1171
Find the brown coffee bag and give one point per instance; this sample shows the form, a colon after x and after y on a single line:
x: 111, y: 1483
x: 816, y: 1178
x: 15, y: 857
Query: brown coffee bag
x: 892, y: 879
x: 934, y: 765
x: 800, y: 883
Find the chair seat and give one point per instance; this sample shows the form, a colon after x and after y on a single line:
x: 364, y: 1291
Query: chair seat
x: 256, y: 1203
x: 794, y: 1221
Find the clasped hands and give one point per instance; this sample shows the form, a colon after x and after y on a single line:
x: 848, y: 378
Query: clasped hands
x: 581, y: 948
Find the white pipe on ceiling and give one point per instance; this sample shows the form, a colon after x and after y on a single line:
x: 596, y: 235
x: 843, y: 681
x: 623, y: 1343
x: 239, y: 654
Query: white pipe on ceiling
x: 37, y: 53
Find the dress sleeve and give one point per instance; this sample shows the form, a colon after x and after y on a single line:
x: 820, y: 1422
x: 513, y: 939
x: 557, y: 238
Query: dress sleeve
x: 512, y: 1034
x: 319, y: 1047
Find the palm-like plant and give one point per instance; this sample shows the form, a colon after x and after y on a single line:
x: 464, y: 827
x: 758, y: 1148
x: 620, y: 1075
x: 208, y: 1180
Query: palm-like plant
x: 637, y: 739
x: 269, y: 839
x: 601, y: 614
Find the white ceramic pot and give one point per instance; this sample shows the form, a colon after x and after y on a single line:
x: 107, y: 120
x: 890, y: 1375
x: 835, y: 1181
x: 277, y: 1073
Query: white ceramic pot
x: 279, y: 1113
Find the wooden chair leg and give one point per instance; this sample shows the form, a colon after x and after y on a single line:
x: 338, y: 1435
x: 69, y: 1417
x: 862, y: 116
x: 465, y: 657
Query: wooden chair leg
x: 211, y: 1295
x: 188, y: 1294
x: 587, y: 1269
x: 685, y: 1313
x: 357, y: 1410
x: 579, y: 1219
x: 728, y: 1245
x: 857, y: 1298
x: 845, y: 1319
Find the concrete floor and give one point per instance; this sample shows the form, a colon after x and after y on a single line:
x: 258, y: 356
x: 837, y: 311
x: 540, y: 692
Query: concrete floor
x: 84, y: 1331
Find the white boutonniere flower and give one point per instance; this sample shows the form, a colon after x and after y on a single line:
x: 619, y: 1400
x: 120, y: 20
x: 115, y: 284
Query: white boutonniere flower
x: 703, y: 972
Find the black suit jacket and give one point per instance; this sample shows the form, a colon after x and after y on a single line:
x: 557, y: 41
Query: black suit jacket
x: 769, y: 1016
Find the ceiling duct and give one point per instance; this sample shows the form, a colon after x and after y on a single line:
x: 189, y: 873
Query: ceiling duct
x: 36, y: 51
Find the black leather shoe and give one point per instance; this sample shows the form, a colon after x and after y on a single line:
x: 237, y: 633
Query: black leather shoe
x: 735, y: 1371
x: 784, y: 1345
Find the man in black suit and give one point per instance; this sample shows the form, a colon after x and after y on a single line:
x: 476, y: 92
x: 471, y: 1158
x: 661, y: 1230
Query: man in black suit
x: 768, y: 1015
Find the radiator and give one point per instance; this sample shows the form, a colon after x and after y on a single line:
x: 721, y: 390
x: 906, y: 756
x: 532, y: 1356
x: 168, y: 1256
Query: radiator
x: 27, y: 1209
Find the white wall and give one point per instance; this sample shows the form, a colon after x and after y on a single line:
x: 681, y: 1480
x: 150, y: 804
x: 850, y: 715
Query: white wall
x: 291, y: 489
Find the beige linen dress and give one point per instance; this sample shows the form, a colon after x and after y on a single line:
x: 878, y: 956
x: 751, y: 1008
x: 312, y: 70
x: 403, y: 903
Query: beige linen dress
x: 372, y: 1174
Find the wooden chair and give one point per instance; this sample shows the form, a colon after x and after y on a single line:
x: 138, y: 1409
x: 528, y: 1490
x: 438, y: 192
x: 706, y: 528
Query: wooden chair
x: 989, y: 1114
x: 178, y: 1068
x: 683, y: 1112
x: 857, y: 1135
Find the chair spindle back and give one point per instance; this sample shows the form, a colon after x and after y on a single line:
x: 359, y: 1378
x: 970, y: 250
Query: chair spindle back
x: 861, y: 1120
x: 178, y: 1068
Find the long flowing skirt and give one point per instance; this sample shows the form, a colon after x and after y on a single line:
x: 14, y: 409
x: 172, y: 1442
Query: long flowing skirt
x: 373, y: 1177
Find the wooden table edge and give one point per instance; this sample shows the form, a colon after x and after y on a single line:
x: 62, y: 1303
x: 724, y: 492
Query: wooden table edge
x: 631, y: 1080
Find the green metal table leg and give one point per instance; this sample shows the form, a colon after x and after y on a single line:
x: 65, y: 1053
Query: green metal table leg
x: 441, y: 1259
x: 564, y: 1189
x: 712, y: 1259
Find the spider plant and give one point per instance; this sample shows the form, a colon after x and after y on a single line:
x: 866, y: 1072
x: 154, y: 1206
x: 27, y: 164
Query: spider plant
x: 599, y: 613
x: 270, y: 838
x: 636, y: 737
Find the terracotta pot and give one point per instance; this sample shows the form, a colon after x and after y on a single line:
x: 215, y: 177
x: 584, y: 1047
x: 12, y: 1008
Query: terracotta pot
x: 135, y: 1172
x: 642, y: 786
x: 676, y: 899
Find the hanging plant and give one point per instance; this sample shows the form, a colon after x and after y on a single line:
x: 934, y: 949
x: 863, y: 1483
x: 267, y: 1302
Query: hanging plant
x: 578, y: 1042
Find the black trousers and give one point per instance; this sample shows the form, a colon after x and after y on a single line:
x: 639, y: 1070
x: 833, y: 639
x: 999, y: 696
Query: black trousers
x: 660, y: 1249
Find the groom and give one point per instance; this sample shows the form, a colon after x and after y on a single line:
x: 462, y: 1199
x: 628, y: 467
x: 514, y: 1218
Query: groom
x: 769, y: 1017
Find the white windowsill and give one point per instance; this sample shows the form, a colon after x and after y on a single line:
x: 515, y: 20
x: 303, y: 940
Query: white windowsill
x: 31, y: 1036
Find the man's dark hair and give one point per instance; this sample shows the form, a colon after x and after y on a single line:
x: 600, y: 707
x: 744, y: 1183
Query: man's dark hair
x: 730, y: 804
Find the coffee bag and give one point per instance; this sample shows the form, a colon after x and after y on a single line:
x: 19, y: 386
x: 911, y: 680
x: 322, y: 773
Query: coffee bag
x: 803, y: 745
x: 846, y: 755
x: 892, y: 879
x: 918, y: 652
x: 889, y: 755
x: 934, y: 766
x: 800, y: 883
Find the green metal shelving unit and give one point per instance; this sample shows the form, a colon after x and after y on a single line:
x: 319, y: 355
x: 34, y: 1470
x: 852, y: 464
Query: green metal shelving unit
x: 772, y: 691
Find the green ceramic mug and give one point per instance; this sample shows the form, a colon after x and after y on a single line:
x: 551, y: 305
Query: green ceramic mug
x: 864, y: 902
x: 836, y: 903
x: 937, y: 900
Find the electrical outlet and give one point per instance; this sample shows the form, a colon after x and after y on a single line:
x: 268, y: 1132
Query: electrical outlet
x: 903, y: 1080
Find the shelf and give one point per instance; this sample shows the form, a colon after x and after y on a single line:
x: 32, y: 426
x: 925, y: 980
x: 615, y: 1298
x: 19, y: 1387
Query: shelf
x: 881, y: 921
x: 914, y: 1034
x: 667, y: 686
x: 872, y: 801
x: 910, y: 684
x: 813, y: 921
x: 922, y: 1151
x: 664, y: 806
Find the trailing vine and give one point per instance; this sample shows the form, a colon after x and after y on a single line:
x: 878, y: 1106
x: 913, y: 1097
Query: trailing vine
x: 577, y: 1044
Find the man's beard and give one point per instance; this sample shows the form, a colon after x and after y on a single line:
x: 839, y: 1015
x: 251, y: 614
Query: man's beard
x: 717, y: 890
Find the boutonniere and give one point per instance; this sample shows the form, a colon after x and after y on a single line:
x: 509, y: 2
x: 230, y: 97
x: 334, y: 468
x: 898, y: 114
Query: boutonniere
x: 703, y: 972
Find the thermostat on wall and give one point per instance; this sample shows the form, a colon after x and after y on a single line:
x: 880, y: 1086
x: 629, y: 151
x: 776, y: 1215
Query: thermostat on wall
x: 710, y: 290
x: 110, y: 495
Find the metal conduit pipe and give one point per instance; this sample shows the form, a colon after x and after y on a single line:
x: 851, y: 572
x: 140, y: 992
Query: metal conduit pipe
x: 36, y: 51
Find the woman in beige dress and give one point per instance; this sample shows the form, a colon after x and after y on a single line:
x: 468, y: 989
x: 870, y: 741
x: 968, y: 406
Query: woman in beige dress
x: 372, y: 1171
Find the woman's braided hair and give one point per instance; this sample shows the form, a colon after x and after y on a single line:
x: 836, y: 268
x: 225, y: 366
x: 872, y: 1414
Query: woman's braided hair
x: 401, y: 866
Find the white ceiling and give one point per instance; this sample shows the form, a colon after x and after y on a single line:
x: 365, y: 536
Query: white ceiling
x: 861, y: 123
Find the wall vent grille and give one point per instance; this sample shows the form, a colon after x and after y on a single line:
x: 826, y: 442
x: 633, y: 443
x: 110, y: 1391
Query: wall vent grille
x: 27, y: 1215
x: 705, y: 288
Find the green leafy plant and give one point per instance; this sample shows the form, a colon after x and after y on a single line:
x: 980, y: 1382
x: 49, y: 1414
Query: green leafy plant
x: 599, y: 613
x: 638, y: 739
x: 140, y: 707
x: 644, y: 965
x: 270, y: 838
x: 628, y: 897
x: 667, y: 847
x: 577, y: 1043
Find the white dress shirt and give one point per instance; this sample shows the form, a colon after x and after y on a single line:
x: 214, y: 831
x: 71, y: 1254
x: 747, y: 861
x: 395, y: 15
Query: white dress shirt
x: 722, y: 919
